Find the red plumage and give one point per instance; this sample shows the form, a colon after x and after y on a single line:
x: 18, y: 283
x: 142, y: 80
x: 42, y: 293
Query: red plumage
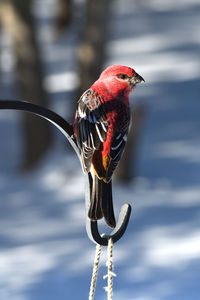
x: 101, y: 127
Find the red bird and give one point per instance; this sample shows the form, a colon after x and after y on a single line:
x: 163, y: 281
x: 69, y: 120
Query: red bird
x: 101, y: 126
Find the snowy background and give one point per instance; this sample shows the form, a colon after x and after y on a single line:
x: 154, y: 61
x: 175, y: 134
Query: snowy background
x: 44, y: 249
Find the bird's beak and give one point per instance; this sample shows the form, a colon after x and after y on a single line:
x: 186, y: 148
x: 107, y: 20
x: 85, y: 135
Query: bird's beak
x: 136, y: 79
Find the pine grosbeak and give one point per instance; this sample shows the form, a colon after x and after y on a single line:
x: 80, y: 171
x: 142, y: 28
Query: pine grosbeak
x: 101, y: 126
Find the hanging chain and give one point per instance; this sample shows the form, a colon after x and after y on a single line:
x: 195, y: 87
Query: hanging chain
x: 95, y: 272
x: 109, y: 275
x: 110, y: 269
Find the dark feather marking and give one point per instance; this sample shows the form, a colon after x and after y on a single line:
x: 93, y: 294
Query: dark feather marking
x: 91, y: 125
x: 95, y: 211
x: 101, y: 204
x: 107, y: 204
x: 117, y: 149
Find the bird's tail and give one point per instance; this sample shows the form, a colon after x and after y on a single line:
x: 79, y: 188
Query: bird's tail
x: 101, y: 204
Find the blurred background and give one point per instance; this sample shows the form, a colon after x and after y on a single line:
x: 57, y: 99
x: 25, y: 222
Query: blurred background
x: 50, y: 52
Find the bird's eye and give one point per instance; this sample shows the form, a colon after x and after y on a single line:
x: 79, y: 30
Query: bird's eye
x: 122, y: 76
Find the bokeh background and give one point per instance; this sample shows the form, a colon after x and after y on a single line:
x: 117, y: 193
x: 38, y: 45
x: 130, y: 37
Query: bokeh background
x: 52, y: 50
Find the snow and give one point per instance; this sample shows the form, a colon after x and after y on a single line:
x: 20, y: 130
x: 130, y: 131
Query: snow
x: 44, y: 249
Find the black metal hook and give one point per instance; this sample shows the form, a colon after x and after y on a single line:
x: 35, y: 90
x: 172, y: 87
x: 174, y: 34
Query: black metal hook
x: 67, y: 130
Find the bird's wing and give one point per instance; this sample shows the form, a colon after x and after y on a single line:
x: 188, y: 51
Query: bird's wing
x: 116, y: 151
x: 91, y: 126
x: 119, y: 139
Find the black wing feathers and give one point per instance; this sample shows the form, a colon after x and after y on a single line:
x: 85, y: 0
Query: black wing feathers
x: 101, y: 204
x: 92, y: 126
x: 116, y: 151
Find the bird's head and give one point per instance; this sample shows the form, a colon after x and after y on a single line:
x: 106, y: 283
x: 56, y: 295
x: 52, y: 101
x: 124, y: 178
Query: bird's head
x: 119, y: 80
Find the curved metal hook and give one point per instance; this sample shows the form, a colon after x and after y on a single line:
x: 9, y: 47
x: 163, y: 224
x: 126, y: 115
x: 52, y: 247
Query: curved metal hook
x: 51, y: 116
x: 116, y: 234
x: 67, y: 130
